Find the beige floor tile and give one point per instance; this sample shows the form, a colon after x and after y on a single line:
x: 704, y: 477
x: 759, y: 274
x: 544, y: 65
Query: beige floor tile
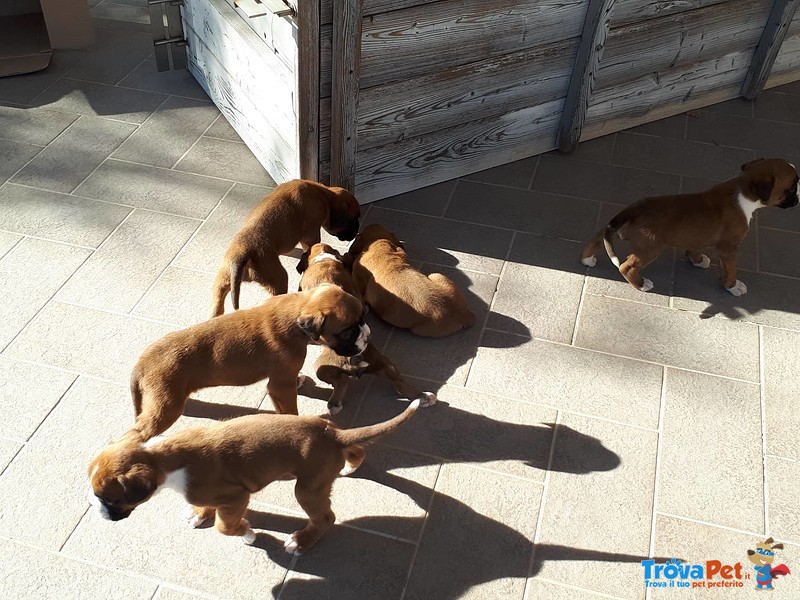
x: 478, y: 538
x: 537, y: 588
x: 781, y: 365
x: 207, y: 248
x: 350, y: 565
x: 129, y: 261
x: 8, y: 450
x: 43, y: 492
x: 670, y: 337
x: 33, y: 125
x: 29, y: 276
x: 696, y: 544
x: 596, y: 526
x: 711, y: 461
x: 48, y: 576
x: 57, y: 216
x: 82, y: 339
x: 389, y: 493
x: 784, y: 519
x: 154, y: 188
x: 29, y: 392
x: 8, y: 241
x: 470, y: 427
x: 568, y: 378
x: 226, y: 159
x: 14, y: 156
x: 167, y: 593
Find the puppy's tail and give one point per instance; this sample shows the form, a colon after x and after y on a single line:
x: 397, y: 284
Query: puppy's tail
x: 237, y: 264
x: 608, y: 235
x: 359, y: 435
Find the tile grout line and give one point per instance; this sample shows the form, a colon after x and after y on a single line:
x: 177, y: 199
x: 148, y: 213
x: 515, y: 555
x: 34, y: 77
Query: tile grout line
x: 763, y: 406
x: 44, y: 239
x: 568, y: 586
x: 491, y: 304
x: 199, y: 137
x: 537, y: 532
x: 118, y: 314
x: 13, y: 458
x: 533, y: 175
x: 784, y: 458
x: 449, y: 199
x: 756, y: 534
x: 173, y: 170
x: 74, y: 529
x: 13, y: 246
x: 577, y: 321
x: 117, y: 84
x: 657, y: 474
x: 422, y: 531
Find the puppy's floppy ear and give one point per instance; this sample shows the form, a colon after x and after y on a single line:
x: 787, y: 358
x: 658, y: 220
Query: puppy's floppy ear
x: 747, y: 165
x: 302, y: 265
x: 761, y: 186
x: 138, y: 484
x: 311, y: 325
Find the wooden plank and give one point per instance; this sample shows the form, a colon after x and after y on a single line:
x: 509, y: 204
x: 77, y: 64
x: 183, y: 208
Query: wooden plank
x: 308, y: 89
x: 457, y: 151
x: 488, y: 88
x: 251, y: 8
x: 685, y: 38
x: 768, y: 47
x: 636, y: 11
x: 258, y: 73
x: 347, y: 21
x: 278, y: 8
x: 425, y: 39
x: 278, y: 33
x: 787, y: 64
x: 587, y: 63
x: 371, y: 7
x: 247, y: 118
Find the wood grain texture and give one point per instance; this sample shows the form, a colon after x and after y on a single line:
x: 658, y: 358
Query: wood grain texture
x: 786, y: 68
x: 636, y: 11
x: 278, y: 33
x: 584, y: 71
x: 768, y: 47
x: 347, y: 20
x: 308, y: 144
x: 684, y: 38
x: 371, y: 7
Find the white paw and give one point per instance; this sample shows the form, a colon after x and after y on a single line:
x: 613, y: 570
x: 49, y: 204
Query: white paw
x: 429, y: 399
x: 194, y: 520
x: 647, y: 285
x: 589, y: 261
x: 335, y: 409
x: 301, y: 379
x: 704, y: 263
x: 738, y: 289
x: 249, y: 537
x: 290, y: 545
x: 347, y: 470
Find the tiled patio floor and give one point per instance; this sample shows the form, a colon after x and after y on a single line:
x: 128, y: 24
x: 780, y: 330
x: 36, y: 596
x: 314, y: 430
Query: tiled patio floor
x: 582, y: 426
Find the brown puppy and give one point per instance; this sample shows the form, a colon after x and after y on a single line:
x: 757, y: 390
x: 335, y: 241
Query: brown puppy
x: 217, y: 468
x: 719, y: 218
x: 242, y: 348
x: 293, y: 213
x: 430, y: 306
x: 320, y: 265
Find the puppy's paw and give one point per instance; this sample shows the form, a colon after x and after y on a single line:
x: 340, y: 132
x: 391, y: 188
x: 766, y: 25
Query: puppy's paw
x: 291, y: 546
x: 301, y: 380
x: 335, y: 409
x: 738, y: 289
x: 647, y: 285
x: 428, y: 399
x: 704, y: 263
x: 589, y: 261
x: 192, y: 518
x: 249, y: 537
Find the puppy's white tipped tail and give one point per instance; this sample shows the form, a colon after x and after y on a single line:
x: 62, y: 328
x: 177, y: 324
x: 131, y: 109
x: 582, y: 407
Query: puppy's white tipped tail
x: 615, y: 260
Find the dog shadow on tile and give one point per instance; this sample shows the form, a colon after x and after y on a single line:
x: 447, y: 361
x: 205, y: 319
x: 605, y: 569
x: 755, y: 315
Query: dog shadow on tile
x: 459, y: 548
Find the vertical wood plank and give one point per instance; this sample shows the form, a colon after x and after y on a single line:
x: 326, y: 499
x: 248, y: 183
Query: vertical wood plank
x: 768, y: 46
x: 347, y: 16
x: 587, y: 63
x: 308, y: 61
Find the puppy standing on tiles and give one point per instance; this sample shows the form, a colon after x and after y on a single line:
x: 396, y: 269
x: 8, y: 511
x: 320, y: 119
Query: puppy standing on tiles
x: 718, y: 218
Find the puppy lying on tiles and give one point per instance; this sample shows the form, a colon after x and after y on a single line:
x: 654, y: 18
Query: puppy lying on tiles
x: 292, y: 213
x: 268, y: 341
x: 217, y: 468
x: 719, y: 218
x: 430, y: 306
x: 321, y: 265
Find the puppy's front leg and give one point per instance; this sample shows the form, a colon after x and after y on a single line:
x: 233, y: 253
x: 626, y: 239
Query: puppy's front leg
x: 230, y: 520
x: 283, y: 394
x: 728, y: 257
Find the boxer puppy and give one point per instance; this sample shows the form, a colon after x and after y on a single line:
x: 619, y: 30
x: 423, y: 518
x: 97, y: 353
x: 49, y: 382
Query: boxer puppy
x: 320, y: 265
x: 718, y: 218
x: 430, y: 306
x: 217, y: 468
x: 268, y: 341
x: 292, y: 213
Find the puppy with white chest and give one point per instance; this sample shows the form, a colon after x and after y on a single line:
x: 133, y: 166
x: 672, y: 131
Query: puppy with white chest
x: 430, y: 306
x: 293, y: 213
x: 718, y: 218
x: 241, y: 348
x: 217, y: 468
x: 320, y: 265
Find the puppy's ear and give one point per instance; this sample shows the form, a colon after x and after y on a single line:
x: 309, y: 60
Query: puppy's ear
x: 747, y: 165
x: 138, y: 484
x: 761, y: 186
x: 302, y: 265
x: 312, y: 325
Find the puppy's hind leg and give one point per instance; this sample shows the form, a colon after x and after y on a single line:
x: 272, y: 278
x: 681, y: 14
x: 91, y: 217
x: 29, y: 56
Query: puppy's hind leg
x: 589, y: 253
x: 269, y: 272
x: 315, y: 499
x: 631, y: 268
x: 230, y: 520
x: 353, y: 457
x: 197, y: 515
